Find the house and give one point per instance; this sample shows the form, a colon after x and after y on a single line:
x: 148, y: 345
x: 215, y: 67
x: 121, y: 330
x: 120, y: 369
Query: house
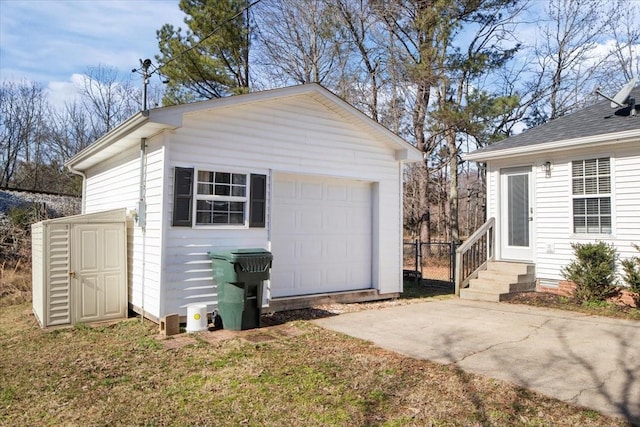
x: 296, y: 171
x: 575, y: 179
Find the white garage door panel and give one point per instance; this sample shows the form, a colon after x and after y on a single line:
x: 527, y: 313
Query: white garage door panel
x: 321, y: 235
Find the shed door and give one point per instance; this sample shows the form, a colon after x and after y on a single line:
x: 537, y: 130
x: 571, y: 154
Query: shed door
x: 100, y: 272
x: 321, y: 235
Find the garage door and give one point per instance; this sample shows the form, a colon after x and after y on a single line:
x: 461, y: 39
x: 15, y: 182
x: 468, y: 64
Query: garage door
x: 321, y: 235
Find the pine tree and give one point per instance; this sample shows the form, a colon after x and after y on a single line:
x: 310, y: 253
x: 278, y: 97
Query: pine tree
x: 210, y: 59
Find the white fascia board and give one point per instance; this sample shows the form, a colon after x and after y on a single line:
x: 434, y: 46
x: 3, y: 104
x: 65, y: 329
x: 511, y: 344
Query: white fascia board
x: 592, y: 141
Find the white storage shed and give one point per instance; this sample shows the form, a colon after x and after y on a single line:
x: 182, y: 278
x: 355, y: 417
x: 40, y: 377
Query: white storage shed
x: 79, y: 266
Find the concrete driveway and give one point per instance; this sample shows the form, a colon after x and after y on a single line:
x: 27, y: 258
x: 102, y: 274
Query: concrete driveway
x: 586, y: 360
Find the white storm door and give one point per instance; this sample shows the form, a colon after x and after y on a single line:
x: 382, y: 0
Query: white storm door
x: 99, y: 274
x: 321, y: 235
x: 517, y: 214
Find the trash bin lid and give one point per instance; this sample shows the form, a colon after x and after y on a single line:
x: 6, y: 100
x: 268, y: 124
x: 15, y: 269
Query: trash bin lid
x: 255, y: 260
x: 236, y: 255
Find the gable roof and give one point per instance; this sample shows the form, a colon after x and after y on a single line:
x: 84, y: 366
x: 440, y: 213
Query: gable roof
x: 595, y: 124
x: 146, y: 124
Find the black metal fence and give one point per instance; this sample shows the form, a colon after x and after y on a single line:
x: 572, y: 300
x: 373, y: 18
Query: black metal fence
x: 434, y: 261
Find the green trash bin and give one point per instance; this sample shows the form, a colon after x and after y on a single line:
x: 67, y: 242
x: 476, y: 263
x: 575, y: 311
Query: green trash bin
x: 239, y: 274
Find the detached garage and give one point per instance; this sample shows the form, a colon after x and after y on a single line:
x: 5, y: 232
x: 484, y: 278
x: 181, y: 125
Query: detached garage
x: 296, y: 171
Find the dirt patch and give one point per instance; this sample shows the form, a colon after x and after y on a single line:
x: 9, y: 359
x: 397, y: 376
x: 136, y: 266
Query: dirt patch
x: 549, y: 300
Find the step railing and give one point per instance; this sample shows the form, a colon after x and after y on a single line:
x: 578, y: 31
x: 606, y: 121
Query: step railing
x: 474, y: 254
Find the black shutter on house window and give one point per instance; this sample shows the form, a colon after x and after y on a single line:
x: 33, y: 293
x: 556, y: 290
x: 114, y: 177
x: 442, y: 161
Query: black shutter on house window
x: 182, y: 197
x: 258, y: 201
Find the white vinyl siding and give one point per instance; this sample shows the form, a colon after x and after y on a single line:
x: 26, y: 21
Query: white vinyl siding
x: 116, y: 184
x: 554, y: 203
x: 295, y: 135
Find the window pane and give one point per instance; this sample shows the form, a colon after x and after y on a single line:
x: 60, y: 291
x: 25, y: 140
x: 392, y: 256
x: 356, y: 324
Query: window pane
x: 220, y: 218
x: 579, y: 206
x: 579, y: 224
x: 206, y: 189
x: 204, y: 176
x: 236, y: 206
x: 591, y: 185
x: 605, y: 224
x: 590, y: 167
x: 236, y: 218
x: 593, y: 206
x: 238, y: 191
x: 577, y: 168
x: 203, y: 218
x: 220, y: 206
x: 593, y: 224
x: 604, y: 166
x: 578, y: 186
x: 239, y: 179
x: 604, y: 184
x: 223, y: 178
x: 222, y: 190
x: 605, y: 206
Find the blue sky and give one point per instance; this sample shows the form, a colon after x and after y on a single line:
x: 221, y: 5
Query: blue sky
x: 54, y: 41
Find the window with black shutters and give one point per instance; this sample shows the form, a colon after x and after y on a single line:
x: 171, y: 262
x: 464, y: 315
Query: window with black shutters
x: 204, y: 197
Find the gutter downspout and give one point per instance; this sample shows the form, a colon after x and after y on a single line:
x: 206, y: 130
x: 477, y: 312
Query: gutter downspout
x: 141, y: 218
x: 84, y: 187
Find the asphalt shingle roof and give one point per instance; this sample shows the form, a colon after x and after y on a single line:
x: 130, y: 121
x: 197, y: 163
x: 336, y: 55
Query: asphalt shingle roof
x: 596, y: 119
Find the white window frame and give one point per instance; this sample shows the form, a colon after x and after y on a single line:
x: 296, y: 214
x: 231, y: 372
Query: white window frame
x: 212, y: 198
x: 598, y: 194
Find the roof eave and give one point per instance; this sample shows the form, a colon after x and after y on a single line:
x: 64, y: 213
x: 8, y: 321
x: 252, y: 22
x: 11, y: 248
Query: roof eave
x: 595, y: 140
x: 143, y: 124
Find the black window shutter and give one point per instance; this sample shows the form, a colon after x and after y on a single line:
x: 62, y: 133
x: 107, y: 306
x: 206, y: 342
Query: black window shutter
x: 182, y: 197
x: 258, y: 201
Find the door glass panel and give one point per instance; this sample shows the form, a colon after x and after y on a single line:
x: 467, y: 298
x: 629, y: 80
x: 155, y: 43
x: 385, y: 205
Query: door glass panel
x: 518, y: 210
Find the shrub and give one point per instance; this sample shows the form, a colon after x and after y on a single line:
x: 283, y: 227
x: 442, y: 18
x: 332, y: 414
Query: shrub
x: 631, y: 268
x: 593, y: 271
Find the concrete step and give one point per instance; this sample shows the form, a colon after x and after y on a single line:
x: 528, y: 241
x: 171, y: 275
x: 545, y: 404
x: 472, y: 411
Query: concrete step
x: 472, y: 294
x: 511, y: 267
x: 479, y: 295
x: 500, y: 281
x: 485, y: 285
x: 505, y: 277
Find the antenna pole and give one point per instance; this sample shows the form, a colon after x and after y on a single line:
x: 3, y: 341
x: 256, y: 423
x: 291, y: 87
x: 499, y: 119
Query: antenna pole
x: 145, y: 82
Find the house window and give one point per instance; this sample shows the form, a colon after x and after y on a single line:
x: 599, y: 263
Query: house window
x: 219, y: 198
x: 591, y: 190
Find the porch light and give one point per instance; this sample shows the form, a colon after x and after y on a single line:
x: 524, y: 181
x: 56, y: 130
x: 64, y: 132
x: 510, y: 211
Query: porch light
x: 547, y: 169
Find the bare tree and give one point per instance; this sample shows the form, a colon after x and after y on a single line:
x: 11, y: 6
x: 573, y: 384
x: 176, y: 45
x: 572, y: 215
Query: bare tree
x: 22, y: 127
x: 299, y: 42
x: 108, y: 98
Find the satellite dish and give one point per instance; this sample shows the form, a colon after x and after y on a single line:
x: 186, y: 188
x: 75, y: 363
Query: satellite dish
x: 621, y: 99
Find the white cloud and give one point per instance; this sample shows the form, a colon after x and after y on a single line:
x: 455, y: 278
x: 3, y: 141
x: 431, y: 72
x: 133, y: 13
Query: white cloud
x: 49, y: 41
x: 61, y: 92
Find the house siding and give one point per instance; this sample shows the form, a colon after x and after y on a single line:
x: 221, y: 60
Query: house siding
x: 116, y: 184
x: 291, y: 135
x: 553, y: 209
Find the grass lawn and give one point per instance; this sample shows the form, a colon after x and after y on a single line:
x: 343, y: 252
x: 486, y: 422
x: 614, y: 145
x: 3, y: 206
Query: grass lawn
x: 295, y: 374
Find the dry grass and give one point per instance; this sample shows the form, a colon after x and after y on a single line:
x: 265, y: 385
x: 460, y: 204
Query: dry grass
x: 123, y: 374
x: 15, y: 285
